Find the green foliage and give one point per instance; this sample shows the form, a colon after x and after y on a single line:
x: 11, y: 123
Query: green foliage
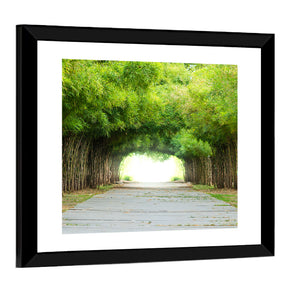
x: 175, y: 178
x: 127, y: 178
x: 213, y: 104
x: 140, y: 75
x: 186, y: 145
x: 113, y: 99
x: 158, y: 109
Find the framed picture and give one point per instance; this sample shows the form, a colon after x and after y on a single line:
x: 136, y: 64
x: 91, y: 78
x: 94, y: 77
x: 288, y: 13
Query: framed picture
x: 92, y: 102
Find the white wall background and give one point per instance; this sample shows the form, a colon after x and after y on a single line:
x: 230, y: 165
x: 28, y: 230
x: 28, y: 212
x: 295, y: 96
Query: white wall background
x: 254, y: 278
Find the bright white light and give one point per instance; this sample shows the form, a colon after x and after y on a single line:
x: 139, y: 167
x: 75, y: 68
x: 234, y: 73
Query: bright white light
x: 144, y: 169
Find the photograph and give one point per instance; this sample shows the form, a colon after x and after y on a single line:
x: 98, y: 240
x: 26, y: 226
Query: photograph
x: 148, y: 146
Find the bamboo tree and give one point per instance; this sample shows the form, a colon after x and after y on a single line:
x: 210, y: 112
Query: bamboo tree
x: 112, y: 108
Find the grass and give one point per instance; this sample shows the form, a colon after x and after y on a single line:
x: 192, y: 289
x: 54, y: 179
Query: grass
x: 202, y: 187
x: 71, y: 199
x: 105, y: 188
x: 227, y: 195
x: 228, y: 198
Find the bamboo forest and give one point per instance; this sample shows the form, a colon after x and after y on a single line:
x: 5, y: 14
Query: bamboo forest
x: 112, y: 109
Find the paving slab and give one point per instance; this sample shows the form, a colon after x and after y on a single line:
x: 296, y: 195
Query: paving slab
x: 149, y: 207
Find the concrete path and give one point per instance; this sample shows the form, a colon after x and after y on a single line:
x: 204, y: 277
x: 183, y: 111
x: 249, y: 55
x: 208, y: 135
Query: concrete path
x: 148, y: 207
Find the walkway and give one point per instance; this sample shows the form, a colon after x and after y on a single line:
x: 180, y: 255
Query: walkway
x: 149, y: 206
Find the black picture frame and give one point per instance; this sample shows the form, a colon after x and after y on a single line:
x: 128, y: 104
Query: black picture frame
x: 27, y: 153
